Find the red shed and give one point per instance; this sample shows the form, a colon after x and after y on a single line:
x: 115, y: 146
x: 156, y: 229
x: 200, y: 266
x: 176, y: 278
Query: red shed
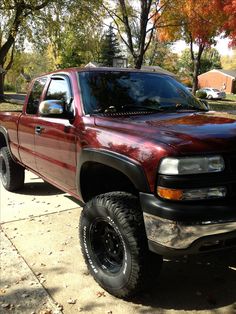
x: 221, y: 79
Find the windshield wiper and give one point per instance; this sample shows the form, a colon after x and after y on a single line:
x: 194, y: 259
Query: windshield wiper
x: 177, y: 107
x: 141, y: 108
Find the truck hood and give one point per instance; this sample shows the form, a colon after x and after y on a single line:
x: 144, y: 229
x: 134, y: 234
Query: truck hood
x: 187, y: 132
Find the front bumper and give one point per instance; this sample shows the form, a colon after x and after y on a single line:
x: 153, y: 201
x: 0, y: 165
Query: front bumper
x: 172, y: 231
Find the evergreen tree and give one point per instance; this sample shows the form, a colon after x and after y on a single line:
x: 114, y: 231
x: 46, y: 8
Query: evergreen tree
x: 110, y: 48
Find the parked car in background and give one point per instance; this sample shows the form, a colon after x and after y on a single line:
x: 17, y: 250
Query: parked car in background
x: 213, y: 93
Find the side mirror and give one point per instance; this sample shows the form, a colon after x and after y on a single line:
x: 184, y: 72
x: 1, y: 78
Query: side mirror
x: 205, y: 104
x: 52, y: 108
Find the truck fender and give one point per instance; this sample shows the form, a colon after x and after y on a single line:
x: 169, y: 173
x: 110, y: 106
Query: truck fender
x: 129, y: 167
x: 4, y: 133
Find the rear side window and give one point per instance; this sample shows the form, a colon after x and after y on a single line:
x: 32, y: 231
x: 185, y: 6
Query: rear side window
x: 59, y: 90
x: 34, y: 97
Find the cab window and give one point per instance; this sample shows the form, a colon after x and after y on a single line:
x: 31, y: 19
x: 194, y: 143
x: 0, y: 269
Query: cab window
x: 35, y: 95
x: 59, y: 90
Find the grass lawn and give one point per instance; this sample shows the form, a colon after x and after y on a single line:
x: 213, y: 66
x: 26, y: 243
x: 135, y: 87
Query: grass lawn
x: 231, y: 97
x: 6, y: 106
x: 227, y: 104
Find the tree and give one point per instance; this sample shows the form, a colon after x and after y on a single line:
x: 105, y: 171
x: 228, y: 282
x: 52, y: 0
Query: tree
x: 210, y: 60
x: 71, y: 31
x: 135, y: 24
x: 160, y: 53
x: 110, y: 48
x: 230, y: 23
x: 14, y: 16
x: 229, y: 62
x: 31, y: 64
x: 198, y: 22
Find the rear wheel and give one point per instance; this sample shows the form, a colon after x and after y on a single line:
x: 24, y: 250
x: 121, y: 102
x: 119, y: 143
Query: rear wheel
x: 113, y: 243
x: 12, y: 175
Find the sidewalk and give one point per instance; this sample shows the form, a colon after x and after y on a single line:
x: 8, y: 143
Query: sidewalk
x: 43, y: 272
x: 21, y: 292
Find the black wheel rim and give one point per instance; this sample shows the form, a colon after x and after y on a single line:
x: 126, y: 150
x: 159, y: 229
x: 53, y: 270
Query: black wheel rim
x: 107, y: 246
x: 3, y: 170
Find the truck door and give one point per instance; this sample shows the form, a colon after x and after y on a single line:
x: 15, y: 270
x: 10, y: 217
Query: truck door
x: 28, y: 121
x: 55, y: 139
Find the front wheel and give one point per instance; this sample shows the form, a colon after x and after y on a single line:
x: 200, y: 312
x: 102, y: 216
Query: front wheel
x: 12, y: 175
x: 113, y: 243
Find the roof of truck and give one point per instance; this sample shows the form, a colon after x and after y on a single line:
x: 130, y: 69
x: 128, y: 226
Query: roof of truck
x: 105, y: 69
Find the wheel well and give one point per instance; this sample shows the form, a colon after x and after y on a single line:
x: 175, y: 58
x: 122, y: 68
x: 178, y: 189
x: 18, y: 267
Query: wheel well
x: 97, y: 178
x: 2, y: 140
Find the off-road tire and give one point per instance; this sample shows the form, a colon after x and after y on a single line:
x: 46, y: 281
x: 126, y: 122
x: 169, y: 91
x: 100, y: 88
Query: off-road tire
x: 114, y: 245
x: 12, y: 175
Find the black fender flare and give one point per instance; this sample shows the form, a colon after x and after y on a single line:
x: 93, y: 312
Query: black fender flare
x: 4, y: 132
x: 129, y: 167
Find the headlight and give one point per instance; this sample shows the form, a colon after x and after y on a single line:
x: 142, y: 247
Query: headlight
x: 191, y: 165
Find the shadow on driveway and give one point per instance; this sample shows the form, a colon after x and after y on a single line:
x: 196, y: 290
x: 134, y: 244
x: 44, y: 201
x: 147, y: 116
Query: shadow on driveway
x: 39, y: 189
x: 206, y: 282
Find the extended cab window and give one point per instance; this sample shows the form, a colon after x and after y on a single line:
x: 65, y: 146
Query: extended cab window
x: 59, y: 89
x: 34, y: 97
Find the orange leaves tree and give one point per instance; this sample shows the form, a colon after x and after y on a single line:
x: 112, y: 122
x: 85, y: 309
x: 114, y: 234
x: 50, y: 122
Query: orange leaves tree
x: 230, y: 23
x: 198, y: 22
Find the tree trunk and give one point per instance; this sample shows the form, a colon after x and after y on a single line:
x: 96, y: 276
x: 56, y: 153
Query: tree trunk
x: 1, y: 87
x: 196, y: 68
x: 196, y: 65
x: 138, y: 60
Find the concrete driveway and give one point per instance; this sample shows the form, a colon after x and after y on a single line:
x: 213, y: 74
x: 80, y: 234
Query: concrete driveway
x: 42, y: 270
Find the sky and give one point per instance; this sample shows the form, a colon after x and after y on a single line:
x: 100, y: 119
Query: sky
x: 222, y: 46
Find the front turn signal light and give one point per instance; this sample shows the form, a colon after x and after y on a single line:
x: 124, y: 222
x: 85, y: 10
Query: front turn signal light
x: 170, y: 194
x: 192, y: 194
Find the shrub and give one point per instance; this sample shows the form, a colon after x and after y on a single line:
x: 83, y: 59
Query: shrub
x: 9, y: 87
x: 201, y: 94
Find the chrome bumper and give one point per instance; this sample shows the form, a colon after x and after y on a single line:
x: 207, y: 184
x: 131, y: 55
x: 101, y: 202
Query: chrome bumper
x: 176, y: 235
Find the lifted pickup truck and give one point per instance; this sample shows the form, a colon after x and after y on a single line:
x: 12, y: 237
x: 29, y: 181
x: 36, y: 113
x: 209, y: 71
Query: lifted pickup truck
x: 154, y: 167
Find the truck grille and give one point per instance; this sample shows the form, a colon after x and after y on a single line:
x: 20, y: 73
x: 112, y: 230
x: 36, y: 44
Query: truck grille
x: 231, y: 167
x: 232, y: 163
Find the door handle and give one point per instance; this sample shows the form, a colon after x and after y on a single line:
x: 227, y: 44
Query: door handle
x: 38, y: 129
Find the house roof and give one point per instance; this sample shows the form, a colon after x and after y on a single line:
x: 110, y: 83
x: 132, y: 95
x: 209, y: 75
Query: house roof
x: 231, y: 73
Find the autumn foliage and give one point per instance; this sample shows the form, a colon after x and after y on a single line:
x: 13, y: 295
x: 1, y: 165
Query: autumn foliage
x: 194, y: 20
x: 198, y: 22
x: 230, y: 23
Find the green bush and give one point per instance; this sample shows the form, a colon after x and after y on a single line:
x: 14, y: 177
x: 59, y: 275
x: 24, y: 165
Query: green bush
x: 9, y: 87
x: 201, y: 94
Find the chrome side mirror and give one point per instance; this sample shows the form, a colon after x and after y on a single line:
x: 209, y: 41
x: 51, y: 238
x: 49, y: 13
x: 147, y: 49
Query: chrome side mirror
x: 53, y: 108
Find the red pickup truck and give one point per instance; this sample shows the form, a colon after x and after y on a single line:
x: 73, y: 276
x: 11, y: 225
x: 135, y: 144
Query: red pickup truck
x: 154, y: 167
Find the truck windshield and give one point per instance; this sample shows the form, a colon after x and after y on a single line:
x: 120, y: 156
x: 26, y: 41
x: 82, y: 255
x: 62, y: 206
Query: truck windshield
x: 134, y: 93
